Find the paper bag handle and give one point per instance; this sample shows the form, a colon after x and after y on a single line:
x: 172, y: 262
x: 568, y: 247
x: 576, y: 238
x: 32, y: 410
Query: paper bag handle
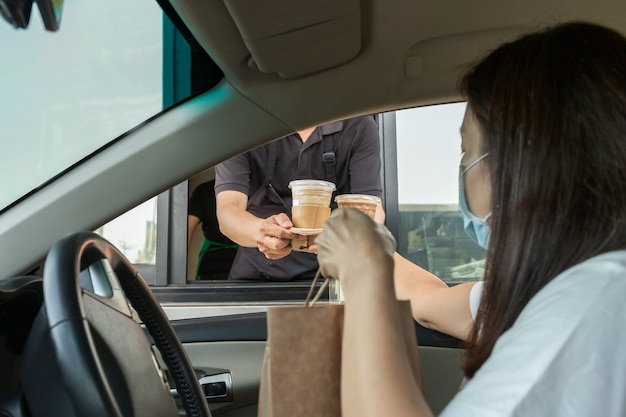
x: 310, y: 302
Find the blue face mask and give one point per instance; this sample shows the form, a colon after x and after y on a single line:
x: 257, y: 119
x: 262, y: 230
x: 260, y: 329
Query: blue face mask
x: 476, y: 228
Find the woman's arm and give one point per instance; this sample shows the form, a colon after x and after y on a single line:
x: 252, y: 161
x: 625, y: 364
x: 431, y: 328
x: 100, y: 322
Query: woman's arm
x: 434, y: 304
x: 377, y: 376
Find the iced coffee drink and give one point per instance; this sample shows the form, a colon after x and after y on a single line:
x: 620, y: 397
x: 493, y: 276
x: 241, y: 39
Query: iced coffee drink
x: 310, y: 209
x: 310, y: 203
x: 363, y: 202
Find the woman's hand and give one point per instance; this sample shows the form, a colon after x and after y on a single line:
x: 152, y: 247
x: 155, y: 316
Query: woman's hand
x: 352, y: 244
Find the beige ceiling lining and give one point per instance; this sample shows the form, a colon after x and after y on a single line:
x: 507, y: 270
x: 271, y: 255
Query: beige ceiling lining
x: 407, y: 57
x: 294, y: 38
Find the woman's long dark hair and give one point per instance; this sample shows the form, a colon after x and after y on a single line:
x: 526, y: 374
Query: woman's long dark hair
x: 552, y: 110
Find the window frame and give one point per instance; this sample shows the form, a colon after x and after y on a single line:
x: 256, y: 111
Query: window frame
x: 168, y: 277
x: 170, y: 284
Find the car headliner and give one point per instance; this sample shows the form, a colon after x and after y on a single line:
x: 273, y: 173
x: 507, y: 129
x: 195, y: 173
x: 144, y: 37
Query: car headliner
x: 410, y: 53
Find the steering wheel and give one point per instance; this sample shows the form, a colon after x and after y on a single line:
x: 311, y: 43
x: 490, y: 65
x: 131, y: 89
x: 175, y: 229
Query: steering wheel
x: 100, y: 353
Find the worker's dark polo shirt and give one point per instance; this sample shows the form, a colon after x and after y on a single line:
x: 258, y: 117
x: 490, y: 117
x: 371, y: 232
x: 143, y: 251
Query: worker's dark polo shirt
x: 356, y: 146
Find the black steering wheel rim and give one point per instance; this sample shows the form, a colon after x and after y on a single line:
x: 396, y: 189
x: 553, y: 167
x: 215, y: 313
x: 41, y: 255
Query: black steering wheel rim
x: 65, y: 308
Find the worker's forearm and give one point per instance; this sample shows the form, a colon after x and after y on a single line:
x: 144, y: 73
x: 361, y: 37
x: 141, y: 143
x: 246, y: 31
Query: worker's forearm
x: 239, y: 225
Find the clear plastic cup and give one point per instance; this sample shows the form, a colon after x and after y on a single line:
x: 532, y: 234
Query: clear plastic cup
x: 363, y: 202
x: 310, y: 203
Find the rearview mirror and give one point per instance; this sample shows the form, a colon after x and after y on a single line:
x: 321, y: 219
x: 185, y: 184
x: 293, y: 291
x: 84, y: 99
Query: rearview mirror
x: 17, y: 12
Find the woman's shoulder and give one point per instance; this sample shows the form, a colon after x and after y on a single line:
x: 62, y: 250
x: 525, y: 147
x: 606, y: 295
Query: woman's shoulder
x: 577, y: 319
x: 577, y: 292
x: 605, y: 267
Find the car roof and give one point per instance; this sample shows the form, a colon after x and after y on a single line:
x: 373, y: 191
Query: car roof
x: 282, y: 54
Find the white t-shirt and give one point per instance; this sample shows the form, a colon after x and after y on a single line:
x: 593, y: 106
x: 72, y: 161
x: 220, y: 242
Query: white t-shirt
x: 474, y: 298
x: 564, y: 356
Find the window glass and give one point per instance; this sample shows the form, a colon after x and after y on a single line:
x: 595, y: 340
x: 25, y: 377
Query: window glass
x: 67, y: 93
x: 134, y: 233
x: 70, y: 92
x: 431, y: 230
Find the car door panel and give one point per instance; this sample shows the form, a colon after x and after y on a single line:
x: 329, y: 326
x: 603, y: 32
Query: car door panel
x: 237, y: 343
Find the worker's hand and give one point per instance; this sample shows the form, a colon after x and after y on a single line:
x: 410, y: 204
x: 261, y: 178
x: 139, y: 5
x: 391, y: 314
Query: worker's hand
x: 353, y: 245
x: 274, y: 238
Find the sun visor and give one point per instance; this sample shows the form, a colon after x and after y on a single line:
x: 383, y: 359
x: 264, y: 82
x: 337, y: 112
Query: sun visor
x: 298, y: 37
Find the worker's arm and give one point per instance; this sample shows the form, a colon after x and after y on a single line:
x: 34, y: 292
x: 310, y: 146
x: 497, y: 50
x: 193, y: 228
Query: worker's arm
x: 192, y: 223
x: 271, y: 236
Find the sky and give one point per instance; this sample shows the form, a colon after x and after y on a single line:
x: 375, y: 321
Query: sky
x: 429, y: 151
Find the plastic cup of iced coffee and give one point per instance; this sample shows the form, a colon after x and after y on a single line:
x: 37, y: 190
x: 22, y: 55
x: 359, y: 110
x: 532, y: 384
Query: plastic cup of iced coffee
x: 363, y: 202
x: 310, y: 209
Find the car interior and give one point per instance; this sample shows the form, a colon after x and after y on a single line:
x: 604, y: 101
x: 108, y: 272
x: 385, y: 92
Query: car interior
x: 81, y: 327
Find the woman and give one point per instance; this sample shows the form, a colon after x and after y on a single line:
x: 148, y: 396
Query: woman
x: 544, y: 164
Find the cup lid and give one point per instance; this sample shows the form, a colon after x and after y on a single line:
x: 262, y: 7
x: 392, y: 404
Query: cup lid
x: 312, y: 184
x: 357, y: 197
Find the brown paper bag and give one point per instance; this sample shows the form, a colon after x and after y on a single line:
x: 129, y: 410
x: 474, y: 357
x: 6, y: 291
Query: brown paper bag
x: 302, y: 366
x: 301, y: 375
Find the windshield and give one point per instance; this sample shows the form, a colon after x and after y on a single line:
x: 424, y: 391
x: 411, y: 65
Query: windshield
x: 65, y: 94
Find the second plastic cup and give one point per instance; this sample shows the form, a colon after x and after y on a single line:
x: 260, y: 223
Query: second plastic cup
x: 363, y: 202
x: 310, y: 202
